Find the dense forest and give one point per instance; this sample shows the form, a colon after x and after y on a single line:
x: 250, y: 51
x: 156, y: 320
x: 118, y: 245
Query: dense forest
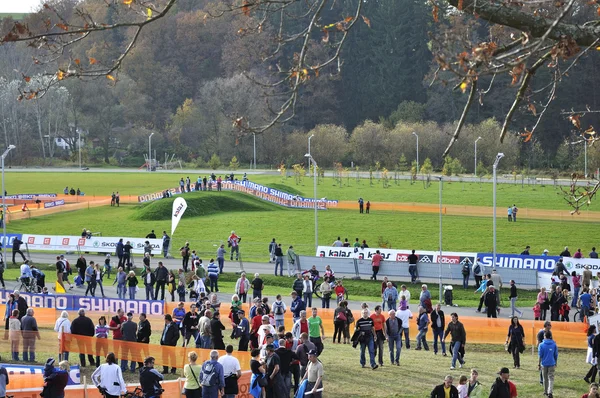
x: 190, y: 75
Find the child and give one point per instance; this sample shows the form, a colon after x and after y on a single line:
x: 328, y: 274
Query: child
x: 403, y: 301
x: 181, y: 290
x: 463, y: 389
x: 45, y: 290
x: 537, y: 311
x: 339, y: 291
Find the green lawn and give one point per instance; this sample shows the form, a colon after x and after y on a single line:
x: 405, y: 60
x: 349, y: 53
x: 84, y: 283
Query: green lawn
x: 296, y: 227
x: 478, y: 194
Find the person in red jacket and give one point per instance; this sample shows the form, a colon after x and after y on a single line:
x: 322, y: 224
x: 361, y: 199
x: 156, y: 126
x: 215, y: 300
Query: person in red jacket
x: 375, y: 263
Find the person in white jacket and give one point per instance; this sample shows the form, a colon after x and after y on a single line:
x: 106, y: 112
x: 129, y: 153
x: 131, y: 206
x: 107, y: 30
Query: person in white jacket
x: 241, y: 287
x: 63, y: 325
x: 299, y: 325
x: 109, y: 377
x: 405, y: 314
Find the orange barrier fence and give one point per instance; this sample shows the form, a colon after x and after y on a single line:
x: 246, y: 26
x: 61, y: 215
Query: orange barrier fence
x: 175, y: 357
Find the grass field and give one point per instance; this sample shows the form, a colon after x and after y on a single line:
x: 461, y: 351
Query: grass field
x: 258, y: 222
x: 477, y: 194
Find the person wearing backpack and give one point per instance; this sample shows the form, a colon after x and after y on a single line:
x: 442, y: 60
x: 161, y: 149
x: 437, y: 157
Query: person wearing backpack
x: 477, y: 272
x: 466, y: 273
x: 279, y: 310
x: 150, y: 379
x: 212, y: 378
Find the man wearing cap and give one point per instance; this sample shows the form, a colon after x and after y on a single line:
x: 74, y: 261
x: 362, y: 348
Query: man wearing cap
x: 547, y: 361
x: 268, y: 340
x: 244, y: 326
x: 129, y: 330
x: 276, y: 386
x: 500, y: 388
x: 314, y: 375
x: 303, y: 348
x: 445, y: 390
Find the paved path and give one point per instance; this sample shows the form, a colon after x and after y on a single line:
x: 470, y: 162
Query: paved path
x: 250, y: 269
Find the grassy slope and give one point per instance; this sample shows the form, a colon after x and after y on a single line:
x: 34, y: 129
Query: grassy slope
x: 402, y: 230
x: 542, y: 197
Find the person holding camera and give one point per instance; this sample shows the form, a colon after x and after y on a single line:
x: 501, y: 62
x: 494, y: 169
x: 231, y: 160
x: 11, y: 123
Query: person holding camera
x: 109, y: 378
x: 150, y: 379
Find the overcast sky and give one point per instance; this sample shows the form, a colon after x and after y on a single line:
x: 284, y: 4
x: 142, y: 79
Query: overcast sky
x: 18, y: 5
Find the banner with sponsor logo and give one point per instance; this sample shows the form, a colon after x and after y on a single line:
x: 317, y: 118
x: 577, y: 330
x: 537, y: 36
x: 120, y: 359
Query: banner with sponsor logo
x: 22, y: 371
x: 74, y: 303
x: 179, y: 206
x: 7, y: 240
x: 398, y: 255
x: 579, y: 264
x: 157, y: 195
x: 100, y: 244
x: 32, y: 196
x: 538, y: 263
x: 54, y: 203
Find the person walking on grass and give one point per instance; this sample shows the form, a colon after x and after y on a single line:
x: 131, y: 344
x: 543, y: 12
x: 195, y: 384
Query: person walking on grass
x: 513, y: 300
x: 459, y: 337
x: 393, y: 327
x: 438, y: 325
x: 516, y: 336
x: 365, y: 334
x: 592, y: 354
x: 423, y: 326
x: 547, y: 361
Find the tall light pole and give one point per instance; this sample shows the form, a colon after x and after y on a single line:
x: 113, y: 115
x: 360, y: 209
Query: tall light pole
x: 416, y: 135
x: 440, y: 259
x: 150, y: 152
x: 79, y: 145
x: 10, y: 147
x: 478, y: 138
x: 498, y: 157
x: 254, y: 135
x: 314, y: 164
x: 585, y: 157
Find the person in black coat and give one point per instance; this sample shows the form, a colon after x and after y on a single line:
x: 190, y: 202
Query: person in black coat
x: 81, y: 266
x: 144, y: 332
x: 556, y: 300
x: 16, y: 248
x: 500, y: 388
x: 491, y: 302
x: 438, y: 325
x: 169, y: 338
x: 438, y: 391
x: 84, y: 326
x: 21, y: 304
x: 216, y: 331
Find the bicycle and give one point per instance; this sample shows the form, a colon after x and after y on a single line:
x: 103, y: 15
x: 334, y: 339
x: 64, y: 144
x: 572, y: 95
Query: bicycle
x: 319, y: 295
x: 30, y: 287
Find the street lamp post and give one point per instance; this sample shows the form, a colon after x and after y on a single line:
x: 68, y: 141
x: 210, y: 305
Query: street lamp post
x: 498, y: 157
x: 10, y: 147
x: 314, y: 164
x: 254, y: 135
x: 440, y: 259
x: 585, y: 157
x: 416, y: 135
x: 150, y: 152
x: 478, y: 138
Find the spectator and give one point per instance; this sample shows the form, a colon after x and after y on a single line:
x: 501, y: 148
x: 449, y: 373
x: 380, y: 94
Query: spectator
x: 497, y: 280
x: 566, y: 252
x: 393, y: 326
x: 213, y: 275
x: 81, y: 265
x: 149, y: 281
x: 83, y: 326
x: 129, y: 330
x: 547, y: 361
x: 169, y: 338
x: 30, y: 333
x: 109, y: 378
x: 14, y: 334
x: 466, y: 273
x: 121, y: 280
x: 279, y: 259
x: 593, y: 253
x: 459, y: 336
x: 232, y: 371
x: 161, y: 275
x: 257, y: 285
x: 316, y: 331
x: 593, y: 393
x: 474, y: 388
x: 190, y: 325
x: 390, y: 296
x: 339, y: 322
x: 63, y: 325
x: 445, y: 390
x: 55, y: 383
x: 242, y: 285
x: 244, y: 331
x: 422, y: 324
x: 326, y: 291
x: 101, y: 335
x: 216, y: 331
x: 204, y: 330
x: 576, y: 279
x: 516, y: 336
x: 375, y: 263
x: 405, y: 314
x: 590, y: 357
x: 279, y: 310
x: 234, y: 242
x: 500, y: 388
x: 303, y: 347
x: 213, y: 380
x: 297, y: 306
x: 90, y: 279
x: 144, y: 331
x: 556, y: 300
x: 185, y: 255
x: 291, y: 260
x: 132, y: 283
x: 477, y: 272
x: 491, y: 302
x: 462, y: 388
x: 314, y: 376
x: 171, y: 280
x: 425, y: 298
x: 99, y: 275
x: 513, y: 299
x: 413, y: 259
x: 192, y: 373
x: 438, y: 325
x: 16, y: 248
x: 307, y: 291
x: 544, y: 301
x: 365, y: 334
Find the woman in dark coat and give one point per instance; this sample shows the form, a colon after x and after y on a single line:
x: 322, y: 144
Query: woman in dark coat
x: 515, y: 339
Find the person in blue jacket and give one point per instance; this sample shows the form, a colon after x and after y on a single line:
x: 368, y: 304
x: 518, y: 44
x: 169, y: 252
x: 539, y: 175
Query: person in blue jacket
x: 547, y: 361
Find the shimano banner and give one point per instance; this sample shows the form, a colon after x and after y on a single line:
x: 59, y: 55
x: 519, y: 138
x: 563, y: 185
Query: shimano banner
x: 538, y: 263
x: 74, y: 303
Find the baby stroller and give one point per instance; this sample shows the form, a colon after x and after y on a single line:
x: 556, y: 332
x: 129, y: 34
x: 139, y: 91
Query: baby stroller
x: 448, y: 297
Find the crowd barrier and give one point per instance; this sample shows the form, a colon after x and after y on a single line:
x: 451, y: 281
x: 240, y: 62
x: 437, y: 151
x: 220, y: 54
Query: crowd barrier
x: 451, y: 273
